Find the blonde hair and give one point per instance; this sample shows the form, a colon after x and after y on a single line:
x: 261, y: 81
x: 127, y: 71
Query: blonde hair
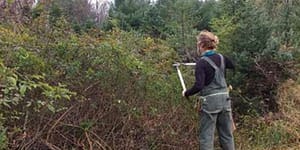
x: 207, y: 40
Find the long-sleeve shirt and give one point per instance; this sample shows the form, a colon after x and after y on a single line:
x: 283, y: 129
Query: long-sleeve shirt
x: 204, y: 73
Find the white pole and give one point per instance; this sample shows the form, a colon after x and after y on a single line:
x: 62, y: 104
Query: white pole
x: 181, y: 78
x: 188, y: 64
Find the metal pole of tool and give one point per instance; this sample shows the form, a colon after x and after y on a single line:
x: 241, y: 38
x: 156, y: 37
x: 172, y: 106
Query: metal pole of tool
x: 179, y: 72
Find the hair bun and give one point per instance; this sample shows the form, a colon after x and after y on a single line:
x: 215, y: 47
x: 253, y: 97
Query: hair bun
x: 208, y: 39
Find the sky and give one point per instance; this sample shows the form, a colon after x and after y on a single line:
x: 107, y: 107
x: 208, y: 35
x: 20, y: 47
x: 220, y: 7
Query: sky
x: 94, y: 1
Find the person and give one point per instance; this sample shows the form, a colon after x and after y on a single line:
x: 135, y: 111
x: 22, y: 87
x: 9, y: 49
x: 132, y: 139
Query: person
x: 215, y: 112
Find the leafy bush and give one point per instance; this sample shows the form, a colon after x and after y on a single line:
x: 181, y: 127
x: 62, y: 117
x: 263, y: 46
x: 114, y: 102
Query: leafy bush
x: 128, y: 70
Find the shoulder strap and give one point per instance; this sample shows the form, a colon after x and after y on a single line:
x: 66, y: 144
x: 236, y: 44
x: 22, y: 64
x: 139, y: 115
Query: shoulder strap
x: 222, y: 67
x: 210, y: 62
x: 222, y: 62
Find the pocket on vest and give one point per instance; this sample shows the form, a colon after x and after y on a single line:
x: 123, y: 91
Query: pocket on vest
x: 217, y: 103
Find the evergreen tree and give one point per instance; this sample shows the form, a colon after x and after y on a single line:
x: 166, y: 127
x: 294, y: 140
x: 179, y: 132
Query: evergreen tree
x: 128, y: 14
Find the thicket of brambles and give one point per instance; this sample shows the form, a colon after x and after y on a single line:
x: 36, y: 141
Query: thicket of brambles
x: 76, y: 75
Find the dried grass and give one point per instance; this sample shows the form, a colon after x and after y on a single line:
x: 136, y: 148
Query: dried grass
x: 289, y: 105
x: 274, y: 131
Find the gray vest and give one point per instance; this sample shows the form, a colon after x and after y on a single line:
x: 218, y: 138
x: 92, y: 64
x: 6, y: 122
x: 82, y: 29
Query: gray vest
x: 215, y: 95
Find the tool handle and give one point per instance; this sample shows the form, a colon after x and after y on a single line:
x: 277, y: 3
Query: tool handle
x: 188, y: 64
x: 181, y: 78
x: 184, y: 64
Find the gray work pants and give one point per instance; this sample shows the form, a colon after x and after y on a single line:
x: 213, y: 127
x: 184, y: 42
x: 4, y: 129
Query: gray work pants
x: 221, y: 121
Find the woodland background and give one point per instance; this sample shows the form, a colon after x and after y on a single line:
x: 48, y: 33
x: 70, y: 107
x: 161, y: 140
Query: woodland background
x: 81, y: 75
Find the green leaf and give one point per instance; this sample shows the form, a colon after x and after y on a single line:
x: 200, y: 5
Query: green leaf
x: 51, y: 108
x: 23, y: 90
x: 28, y: 104
x: 38, y: 77
x: 3, y: 138
x: 86, y: 125
x: 6, y: 104
x: 12, y: 81
x: 41, y: 103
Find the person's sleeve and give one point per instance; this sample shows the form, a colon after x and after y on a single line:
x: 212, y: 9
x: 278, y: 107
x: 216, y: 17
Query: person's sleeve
x: 199, y: 77
x: 229, y: 63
